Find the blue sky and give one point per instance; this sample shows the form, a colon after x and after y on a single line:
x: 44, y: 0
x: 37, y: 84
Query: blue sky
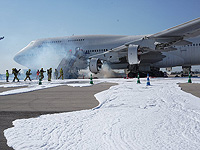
x: 22, y: 21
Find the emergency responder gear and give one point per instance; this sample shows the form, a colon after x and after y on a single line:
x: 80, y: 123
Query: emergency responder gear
x: 15, y: 72
x: 49, y: 72
x: 42, y: 74
x: 7, y: 75
x: 28, y: 73
x: 56, y: 74
x: 38, y: 73
x: 61, y: 74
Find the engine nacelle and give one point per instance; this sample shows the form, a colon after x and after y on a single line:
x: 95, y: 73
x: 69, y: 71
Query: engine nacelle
x: 95, y: 65
x: 133, y: 55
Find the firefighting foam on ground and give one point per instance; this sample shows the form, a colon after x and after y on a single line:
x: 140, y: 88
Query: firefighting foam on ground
x: 129, y: 116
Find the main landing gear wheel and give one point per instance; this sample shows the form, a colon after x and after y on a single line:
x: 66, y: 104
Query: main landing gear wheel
x: 132, y: 75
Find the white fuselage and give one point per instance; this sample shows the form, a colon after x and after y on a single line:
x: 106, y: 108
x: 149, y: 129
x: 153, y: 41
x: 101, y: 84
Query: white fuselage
x: 49, y: 52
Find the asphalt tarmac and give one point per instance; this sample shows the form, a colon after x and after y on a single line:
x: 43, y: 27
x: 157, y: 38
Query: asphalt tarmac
x: 55, y: 100
x: 193, y: 88
x: 47, y: 101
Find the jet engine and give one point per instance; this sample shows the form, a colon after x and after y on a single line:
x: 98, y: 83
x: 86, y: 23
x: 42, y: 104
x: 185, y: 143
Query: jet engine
x: 95, y: 65
x: 133, y: 55
x: 133, y: 60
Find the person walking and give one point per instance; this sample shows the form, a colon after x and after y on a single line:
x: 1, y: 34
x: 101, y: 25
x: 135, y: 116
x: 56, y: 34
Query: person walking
x: 56, y: 74
x: 15, y: 72
x: 61, y: 74
x: 7, y: 75
x: 28, y: 73
x: 37, y: 74
x: 42, y: 73
x: 49, y: 73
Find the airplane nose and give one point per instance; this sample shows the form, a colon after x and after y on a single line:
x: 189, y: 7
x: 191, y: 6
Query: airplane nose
x: 17, y: 58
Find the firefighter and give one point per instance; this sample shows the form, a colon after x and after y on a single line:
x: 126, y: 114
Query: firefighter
x: 15, y: 72
x: 61, y: 74
x: 56, y: 73
x: 42, y: 73
x: 49, y: 72
x: 28, y: 73
x: 7, y: 75
x: 37, y: 74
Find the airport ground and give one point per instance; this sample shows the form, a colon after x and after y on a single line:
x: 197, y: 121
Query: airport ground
x: 47, y: 101
x: 193, y: 88
x: 55, y: 100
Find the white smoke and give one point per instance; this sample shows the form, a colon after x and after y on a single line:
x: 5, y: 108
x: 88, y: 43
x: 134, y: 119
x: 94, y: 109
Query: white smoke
x: 105, y: 72
x: 58, y: 56
x: 50, y: 56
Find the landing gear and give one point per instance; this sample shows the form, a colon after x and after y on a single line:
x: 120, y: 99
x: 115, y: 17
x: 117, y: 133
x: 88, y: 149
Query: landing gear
x: 153, y: 72
x: 132, y: 75
x: 134, y: 69
x: 186, y: 71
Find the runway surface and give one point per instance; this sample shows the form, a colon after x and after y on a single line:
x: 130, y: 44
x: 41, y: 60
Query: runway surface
x: 193, y: 88
x: 54, y: 100
x: 47, y: 101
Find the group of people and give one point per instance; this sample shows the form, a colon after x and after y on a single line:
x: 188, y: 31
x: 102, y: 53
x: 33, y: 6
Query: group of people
x: 40, y: 74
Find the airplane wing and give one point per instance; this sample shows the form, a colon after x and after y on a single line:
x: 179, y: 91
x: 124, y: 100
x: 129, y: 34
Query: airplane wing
x: 163, y: 41
x: 182, y: 31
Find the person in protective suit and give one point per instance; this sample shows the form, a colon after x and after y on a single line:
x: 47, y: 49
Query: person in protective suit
x: 61, y: 74
x: 37, y: 74
x: 28, y: 73
x: 49, y: 72
x: 42, y: 73
x: 56, y: 74
x: 7, y: 75
x: 15, y: 72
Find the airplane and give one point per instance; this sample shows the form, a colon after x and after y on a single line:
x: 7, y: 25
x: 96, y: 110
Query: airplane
x: 176, y: 46
x: 1, y: 38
